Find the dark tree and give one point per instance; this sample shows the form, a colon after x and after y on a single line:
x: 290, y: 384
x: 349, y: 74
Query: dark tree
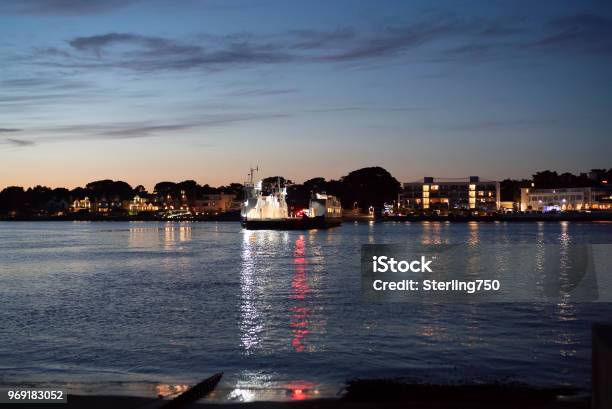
x: 510, y: 190
x: 316, y: 185
x: 61, y: 194
x: 110, y: 190
x: 207, y: 189
x: 369, y: 187
x: 191, y: 189
x: 334, y: 187
x: 12, y: 199
x: 233, y: 188
x: 79, y: 193
x: 37, y: 197
x: 550, y: 180
x: 164, y: 188
x: 299, y: 195
x: 271, y: 182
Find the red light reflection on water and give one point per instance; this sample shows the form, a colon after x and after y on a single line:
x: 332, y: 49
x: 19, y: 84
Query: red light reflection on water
x: 299, y: 285
x: 300, y: 390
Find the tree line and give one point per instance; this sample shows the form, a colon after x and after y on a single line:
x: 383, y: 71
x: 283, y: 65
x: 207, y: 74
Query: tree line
x: 371, y: 186
x: 510, y: 189
x: 362, y: 187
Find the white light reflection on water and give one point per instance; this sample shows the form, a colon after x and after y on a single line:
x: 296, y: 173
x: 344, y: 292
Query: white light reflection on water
x: 565, y: 337
x: 250, y: 321
x: 540, y: 256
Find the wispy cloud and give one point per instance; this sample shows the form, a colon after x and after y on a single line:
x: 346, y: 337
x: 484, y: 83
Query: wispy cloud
x: 21, y: 93
x: 307, y: 39
x: 581, y: 33
x: 393, y: 39
x: 98, y: 42
x: 457, y: 38
x: 146, y: 53
x: 12, y: 140
x: 262, y: 92
x: 378, y: 109
x: 61, y: 7
x: 19, y: 142
x: 492, y: 125
x: 136, y: 130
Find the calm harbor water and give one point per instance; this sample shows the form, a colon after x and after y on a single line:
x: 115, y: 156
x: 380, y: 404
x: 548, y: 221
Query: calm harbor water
x: 140, y: 307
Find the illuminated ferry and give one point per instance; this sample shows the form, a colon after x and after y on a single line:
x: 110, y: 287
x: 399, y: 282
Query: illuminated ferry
x: 261, y: 211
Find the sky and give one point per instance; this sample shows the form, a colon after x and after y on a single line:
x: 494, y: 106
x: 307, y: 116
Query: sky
x: 146, y: 91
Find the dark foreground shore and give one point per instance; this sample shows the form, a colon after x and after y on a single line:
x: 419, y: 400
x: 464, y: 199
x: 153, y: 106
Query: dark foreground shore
x: 126, y: 402
x: 366, y: 393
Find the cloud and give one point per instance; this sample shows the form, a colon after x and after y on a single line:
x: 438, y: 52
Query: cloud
x: 14, y: 141
x: 42, y: 83
x: 394, y: 39
x: 472, y: 49
x: 313, y: 39
x: 151, y: 53
x: 26, y: 100
x: 61, y: 7
x: 444, y: 37
x: 98, y: 42
x: 582, y: 33
x: 136, y: 130
x: 22, y: 93
x: 150, y: 129
x: 263, y: 92
x: 378, y: 109
x: 491, y: 125
x: 147, y: 53
x: 19, y: 142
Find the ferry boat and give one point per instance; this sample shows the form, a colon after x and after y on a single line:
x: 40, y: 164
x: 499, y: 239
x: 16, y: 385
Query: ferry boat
x: 270, y: 212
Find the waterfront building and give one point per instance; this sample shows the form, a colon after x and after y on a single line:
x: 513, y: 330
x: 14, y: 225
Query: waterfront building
x: 216, y: 203
x: 169, y: 202
x: 566, y: 199
x: 139, y: 204
x: 508, y: 206
x: 444, y: 195
x: 81, y: 205
x: 104, y: 206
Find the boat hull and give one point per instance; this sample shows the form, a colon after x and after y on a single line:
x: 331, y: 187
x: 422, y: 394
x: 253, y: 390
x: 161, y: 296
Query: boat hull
x: 304, y: 223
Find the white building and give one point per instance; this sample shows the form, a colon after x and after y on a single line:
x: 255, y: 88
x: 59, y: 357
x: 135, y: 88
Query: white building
x: 562, y: 199
x: 470, y: 193
x: 216, y: 203
x: 139, y: 204
x: 81, y: 205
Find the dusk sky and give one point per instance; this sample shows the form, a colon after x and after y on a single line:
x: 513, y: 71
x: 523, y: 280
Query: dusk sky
x: 145, y: 91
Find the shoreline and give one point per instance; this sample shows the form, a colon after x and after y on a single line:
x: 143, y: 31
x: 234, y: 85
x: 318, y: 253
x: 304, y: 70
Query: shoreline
x: 523, y: 218
x: 130, y: 402
x: 389, y: 393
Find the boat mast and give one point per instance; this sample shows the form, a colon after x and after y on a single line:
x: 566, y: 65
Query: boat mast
x: 253, y: 170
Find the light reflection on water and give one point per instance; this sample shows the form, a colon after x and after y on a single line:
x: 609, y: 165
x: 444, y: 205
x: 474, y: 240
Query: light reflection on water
x: 129, y: 306
x: 299, y: 310
x: 250, y: 325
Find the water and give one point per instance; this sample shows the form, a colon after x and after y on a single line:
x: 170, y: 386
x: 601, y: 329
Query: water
x: 141, y: 307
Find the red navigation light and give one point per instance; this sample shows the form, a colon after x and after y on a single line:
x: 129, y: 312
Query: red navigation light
x: 300, y: 390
